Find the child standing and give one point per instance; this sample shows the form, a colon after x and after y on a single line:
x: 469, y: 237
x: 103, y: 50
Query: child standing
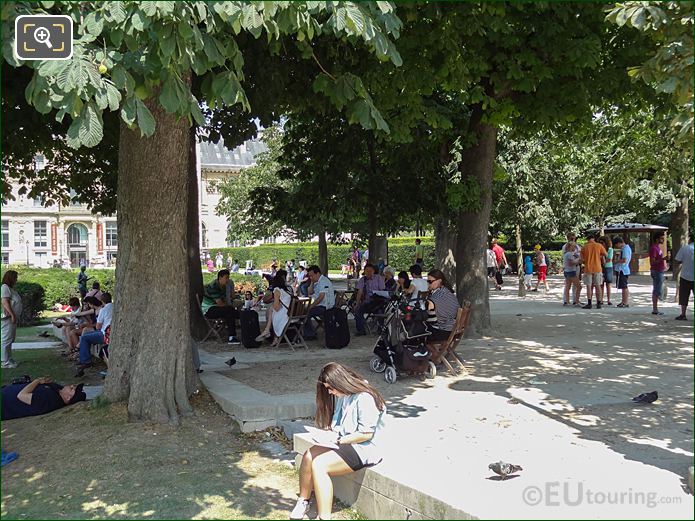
x: 528, y: 272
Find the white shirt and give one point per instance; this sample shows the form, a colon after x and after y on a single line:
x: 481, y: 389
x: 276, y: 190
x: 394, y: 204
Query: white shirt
x: 15, y: 301
x: 685, y: 255
x: 491, y: 259
x: 420, y: 284
x: 301, y: 275
x: 105, y: 315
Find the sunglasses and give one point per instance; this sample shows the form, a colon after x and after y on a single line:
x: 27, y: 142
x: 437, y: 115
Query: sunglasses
x: 431, y: 281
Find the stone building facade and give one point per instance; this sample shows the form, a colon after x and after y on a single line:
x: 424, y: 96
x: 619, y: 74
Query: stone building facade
x: 71, y: 235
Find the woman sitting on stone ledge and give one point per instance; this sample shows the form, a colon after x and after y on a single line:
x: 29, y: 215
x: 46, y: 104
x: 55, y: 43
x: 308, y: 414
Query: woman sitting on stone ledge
x: 352, y: 409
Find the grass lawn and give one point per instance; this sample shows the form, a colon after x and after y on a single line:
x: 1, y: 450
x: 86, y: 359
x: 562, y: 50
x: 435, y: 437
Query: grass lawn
x: 87, y: 461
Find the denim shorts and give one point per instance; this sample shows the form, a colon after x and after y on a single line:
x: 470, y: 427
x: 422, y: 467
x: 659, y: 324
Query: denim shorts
x: 570, y: 274
x: 657, y: 282
x: 608, y: 275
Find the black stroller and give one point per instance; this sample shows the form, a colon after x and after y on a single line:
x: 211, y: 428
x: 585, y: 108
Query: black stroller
x: 401, y: 348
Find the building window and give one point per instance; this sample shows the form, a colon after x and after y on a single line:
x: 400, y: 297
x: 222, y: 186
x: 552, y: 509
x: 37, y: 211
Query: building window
x: 41, y: 259
x: 6, y: 259
x: 40, y: 234
x: 111, y: 234
x: 5, y: 234
x: 77, y: 235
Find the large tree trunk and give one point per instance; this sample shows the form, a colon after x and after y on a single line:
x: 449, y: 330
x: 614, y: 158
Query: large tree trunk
x: 323, y: 253
x: 519, y: 253
x: 445, y: 248
x: 151, y: 361
x: 195, y: 274
x: 372, y: 219
x: 472, y: 232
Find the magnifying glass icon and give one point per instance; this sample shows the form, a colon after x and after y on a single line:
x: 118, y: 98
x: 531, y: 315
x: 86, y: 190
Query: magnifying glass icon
x: 43, y: 35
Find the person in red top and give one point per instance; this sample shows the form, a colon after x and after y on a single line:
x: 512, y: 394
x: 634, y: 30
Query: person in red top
x: 501, y: 260
x: 657, y: 267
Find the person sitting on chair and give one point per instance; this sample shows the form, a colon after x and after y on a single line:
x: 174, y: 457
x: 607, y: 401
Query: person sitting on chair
x: 215, y: 306
x: 321, y: 289
x: 367, y: 301
x: 444, y: 304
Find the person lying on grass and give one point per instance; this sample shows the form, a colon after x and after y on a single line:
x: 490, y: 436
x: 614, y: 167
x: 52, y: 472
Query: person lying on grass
x: 41, y: 396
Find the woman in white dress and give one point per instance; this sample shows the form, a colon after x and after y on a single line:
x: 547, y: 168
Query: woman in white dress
x: 282, y: 297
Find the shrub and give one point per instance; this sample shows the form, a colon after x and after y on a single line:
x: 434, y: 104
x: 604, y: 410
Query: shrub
x: 401, y: 253
x: 242, y: 283
x: 32, y: 301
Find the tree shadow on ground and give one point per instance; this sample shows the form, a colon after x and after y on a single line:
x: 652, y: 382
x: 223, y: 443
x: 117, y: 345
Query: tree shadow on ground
x: 586, y: 378
x: 86, y: 462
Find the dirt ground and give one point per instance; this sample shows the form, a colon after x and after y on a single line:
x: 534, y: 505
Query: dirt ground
x: 87, y: 461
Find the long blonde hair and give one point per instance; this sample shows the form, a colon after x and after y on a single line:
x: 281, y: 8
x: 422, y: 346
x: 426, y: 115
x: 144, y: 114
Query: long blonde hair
x: 345, y: 381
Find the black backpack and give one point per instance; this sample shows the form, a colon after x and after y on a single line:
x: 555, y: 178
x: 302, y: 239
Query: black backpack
x: 250, y: 328
x: 337, y: 330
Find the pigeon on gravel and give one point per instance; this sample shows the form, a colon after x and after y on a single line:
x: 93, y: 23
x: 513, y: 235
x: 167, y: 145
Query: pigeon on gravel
x: 646, y: 397
x: 504, y: 469
x: 231, y: 362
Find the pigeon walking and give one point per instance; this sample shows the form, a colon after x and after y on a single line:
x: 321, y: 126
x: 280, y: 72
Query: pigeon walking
x: 504, y: 469
x: 646, y: 397
x: 231, y: 361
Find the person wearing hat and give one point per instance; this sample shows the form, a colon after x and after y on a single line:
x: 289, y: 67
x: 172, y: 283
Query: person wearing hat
x: 38, y: 397
x: 539, y: 260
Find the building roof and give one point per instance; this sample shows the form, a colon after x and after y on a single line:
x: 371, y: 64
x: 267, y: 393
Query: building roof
x: 634, y: 227
x: 218, y: 156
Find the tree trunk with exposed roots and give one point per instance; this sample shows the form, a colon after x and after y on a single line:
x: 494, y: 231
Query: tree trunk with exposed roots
x: 150, y: 353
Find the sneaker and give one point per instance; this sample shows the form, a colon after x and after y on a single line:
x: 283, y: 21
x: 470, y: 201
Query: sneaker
x: 621, y: 305
x: 10, y: 364
x: 588, y: 306
x: 565, y: 304
x: 598, y: 305
x: 657, y: 313
x: 300, y: 509
x: 609, y: 303
x: 681, y: 317
x: 232, y: 340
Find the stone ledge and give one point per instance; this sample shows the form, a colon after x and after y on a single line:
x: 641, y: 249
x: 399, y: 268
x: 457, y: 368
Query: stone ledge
x: 377, y: 493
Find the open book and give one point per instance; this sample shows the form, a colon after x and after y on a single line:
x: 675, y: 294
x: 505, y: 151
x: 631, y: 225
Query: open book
x: 323, y: 438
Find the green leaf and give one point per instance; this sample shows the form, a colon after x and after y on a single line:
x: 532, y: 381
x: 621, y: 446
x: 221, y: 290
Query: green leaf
x: 355, y: 18
x: 129, y: 111
x: 113, y: 95
x: 146, y: 121
x: 167, y: 96
x: 196, y: 112
x: 117, y: 12
x: 91, y: 129
x: 138, y: 21
x: 94, y: 23
x: 385, y: 7
x: 41, y: 101
x: 149, y: 8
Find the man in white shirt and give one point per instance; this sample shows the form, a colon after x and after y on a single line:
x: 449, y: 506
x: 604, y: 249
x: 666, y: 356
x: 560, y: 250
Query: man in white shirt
x: 97, y: 336
x: 686, y: 257
x: 417, y: 281
x: 321, y: 289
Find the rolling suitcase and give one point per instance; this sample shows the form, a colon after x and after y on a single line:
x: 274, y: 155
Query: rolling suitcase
x: 250, y: 328
x: 337, y: 331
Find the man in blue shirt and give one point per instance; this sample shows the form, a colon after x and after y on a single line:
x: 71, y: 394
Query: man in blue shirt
x: 622, y: 269
x: 38, y: 397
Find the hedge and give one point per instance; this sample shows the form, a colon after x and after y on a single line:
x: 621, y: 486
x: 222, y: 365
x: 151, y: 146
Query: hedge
x: 32, y: 301
x: 41, y: 288
x: 401, y: 253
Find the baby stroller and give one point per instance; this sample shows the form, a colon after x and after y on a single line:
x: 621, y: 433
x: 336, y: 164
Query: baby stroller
x: 401, y: 348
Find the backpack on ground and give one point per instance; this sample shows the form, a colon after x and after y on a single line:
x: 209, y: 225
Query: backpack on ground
x: 337, y: 330
x: 250, y: 328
